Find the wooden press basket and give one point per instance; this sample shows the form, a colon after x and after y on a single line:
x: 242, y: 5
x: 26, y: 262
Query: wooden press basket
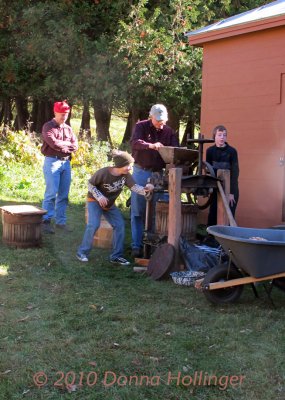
x: 188, y: 219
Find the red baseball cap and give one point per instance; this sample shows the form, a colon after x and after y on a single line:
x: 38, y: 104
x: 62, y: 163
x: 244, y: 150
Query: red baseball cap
x: 61, y: 107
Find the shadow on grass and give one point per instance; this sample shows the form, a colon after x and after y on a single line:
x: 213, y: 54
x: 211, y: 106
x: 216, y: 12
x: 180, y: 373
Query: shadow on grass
x: 58, y: 314
x: 60, y: 248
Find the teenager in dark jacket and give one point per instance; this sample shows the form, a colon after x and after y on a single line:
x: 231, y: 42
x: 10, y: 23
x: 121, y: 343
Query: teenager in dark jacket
x: 223, y: 156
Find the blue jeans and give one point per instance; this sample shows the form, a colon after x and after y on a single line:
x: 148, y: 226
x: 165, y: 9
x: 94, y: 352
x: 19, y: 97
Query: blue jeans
x: 57, y: 174
x: 138, y: 207
x: 115, y: 219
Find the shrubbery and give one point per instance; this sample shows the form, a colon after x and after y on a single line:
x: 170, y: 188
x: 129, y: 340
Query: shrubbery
x: 21, y: 161
x: 24, y: 147
x: 19, y: 147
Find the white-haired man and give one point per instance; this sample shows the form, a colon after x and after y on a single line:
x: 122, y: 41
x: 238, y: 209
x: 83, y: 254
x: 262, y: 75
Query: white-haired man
x: 148, y: 136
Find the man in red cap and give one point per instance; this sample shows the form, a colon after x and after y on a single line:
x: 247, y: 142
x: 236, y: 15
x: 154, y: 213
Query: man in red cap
x: 59, y: 142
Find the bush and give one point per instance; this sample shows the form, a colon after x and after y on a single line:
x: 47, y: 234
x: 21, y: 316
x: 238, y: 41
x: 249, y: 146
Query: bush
x: 21, y: 161
x: 92, y: 155
x: 20, y: 147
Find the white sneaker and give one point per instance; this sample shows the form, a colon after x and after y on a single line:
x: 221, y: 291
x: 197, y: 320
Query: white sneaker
x: 81, y: 257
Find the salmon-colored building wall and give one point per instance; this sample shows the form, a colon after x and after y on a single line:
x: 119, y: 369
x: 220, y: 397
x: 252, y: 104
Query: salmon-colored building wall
x: 243, y: 88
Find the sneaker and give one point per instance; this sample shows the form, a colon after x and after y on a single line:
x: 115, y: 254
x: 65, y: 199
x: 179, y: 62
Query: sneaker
x: 81, y: 257
x: 63, y: 228
x: 47, y: 227
x: 120, y: 260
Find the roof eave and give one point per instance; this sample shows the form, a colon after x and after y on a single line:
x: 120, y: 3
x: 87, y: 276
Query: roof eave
x: 239, y: 29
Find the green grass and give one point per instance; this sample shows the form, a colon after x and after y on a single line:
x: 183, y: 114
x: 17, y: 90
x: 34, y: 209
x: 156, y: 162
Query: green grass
x: 117, y: 128
x: 58, y: 314
x: 76, y: 322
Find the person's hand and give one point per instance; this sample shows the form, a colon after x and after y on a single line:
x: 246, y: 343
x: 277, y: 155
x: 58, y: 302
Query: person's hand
x: 103, y: 201
x: 231, y: 200
x: 148, y: 187
x: 66, y: 149
x: 71, y: 148
x: 155, y: 146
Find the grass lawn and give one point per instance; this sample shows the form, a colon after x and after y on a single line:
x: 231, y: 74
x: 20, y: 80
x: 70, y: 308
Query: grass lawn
x: 123, y: 336
x: 70, y: 330
x: 117, y: 128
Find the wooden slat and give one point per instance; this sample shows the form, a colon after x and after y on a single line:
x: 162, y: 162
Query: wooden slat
x: 225, y: 176
x: 142, y: 261
x: 226, y: 205
x: 174, y: 220
x: 243, y: 281
x: 140, y: 269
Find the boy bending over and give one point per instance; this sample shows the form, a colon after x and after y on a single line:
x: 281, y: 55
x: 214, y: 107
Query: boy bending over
x: 103, y: 189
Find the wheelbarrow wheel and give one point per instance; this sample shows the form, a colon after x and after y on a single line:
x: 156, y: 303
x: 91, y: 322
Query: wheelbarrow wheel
x: 221, y: 273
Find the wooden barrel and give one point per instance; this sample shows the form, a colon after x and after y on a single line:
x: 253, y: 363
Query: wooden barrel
x: 188, y: 219
x: 22, y: 225
x: 103, y: 238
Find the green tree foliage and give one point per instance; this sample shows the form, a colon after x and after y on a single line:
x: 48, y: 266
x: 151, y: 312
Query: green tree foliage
x: 120, y: 54
x: 157, y: 62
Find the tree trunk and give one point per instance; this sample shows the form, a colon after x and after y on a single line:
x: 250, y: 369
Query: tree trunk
x: 22, y: 117
x: 85, y: 121
x: 173, y: 120
x: 34, y: 116
x: 1, y: 112
x: 102, y: 114
x: 42, y: 112
x: 133, y: 118
x: 128, y: 130
x: 69, y: 115
x: 189, y: 130
x: 7, y: 115
x: 135, y: 115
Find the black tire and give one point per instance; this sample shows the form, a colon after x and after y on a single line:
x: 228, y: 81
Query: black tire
x: 226, y: 295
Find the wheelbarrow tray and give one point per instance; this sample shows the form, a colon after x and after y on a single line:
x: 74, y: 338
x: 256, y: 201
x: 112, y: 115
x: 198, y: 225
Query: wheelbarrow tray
x: 258, y: 258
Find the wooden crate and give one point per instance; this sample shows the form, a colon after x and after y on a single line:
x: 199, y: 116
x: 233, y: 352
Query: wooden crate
x: 103, y: 238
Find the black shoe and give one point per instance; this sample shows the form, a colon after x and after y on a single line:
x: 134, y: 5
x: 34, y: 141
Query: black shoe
x: 120, y: 260
x: 63, y: 228
x: 136, y: 253
x: 47, y: 227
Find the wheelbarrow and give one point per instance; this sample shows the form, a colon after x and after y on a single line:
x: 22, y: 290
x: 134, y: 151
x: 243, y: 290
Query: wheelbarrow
x: 254, y: 255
